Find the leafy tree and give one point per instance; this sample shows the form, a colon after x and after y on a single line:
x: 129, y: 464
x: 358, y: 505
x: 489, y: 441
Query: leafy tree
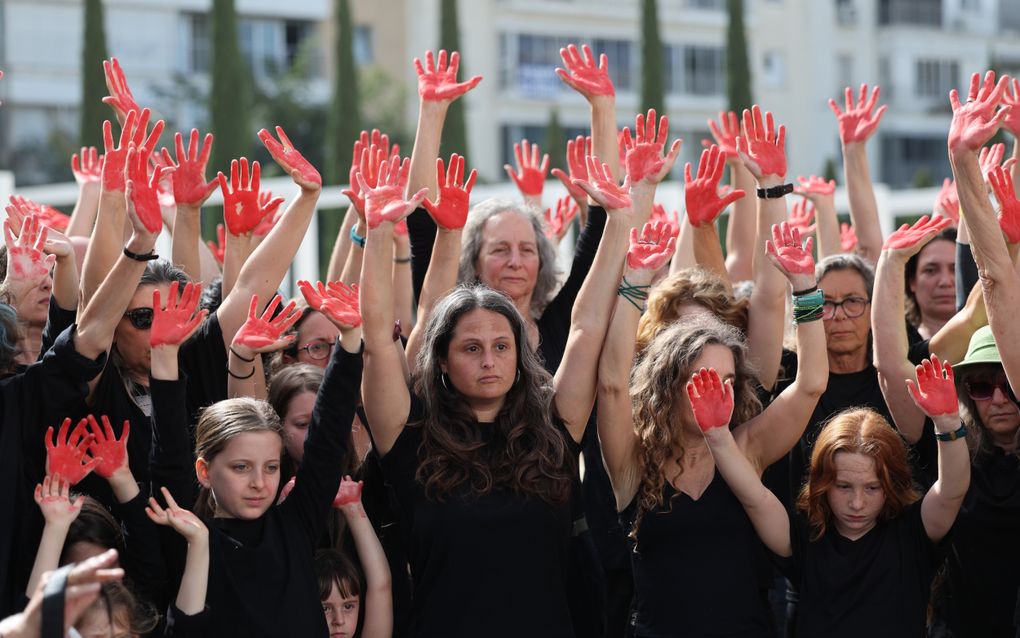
x: 738, y: 72
x: 652, y: 73
x: 344, y: 117
x: 229, y: 98
x: 555, y: 142
x: 455, y: 131
x: 93, y: 83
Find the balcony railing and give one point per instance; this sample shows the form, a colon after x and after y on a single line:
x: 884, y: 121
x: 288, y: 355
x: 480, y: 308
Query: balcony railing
x: 910, y: 12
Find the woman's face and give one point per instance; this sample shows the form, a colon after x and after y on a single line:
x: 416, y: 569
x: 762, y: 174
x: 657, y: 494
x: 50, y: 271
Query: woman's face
x: 133, y: 342
x: 481, y: 361
x: 934, y: 284
x: 33, y: 308
x: 295, y: 424
x: 244, y: 476
x: 508, y: 260
x: 856, y: 497
x: 341, y: 613
x: 846, y: 335
x: 95, y: 623
x: 316, y: 339
x: 716, y: 356
x: 998, y: 412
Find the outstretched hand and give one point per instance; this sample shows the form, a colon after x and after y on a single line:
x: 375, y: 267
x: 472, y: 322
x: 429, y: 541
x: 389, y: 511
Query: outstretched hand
x: 857, y: 122
x: 385, y: 202
x: 87, y: 166
x: 761, y: 148
x: 947, y: 202
x: 725, y: 133
x: 702, y: 194
x: 935, y: 391
x: 1009, y: 208
x: 173, y: 325
x: 132, y: 133
x: 801, y: 216
x: 450, y: 210
x: 645, y: 160
x: 711, y: 399
x: 847, y: 237
x: 120, y: 99
x: 53, y: 497
x: 336, y: 300
x: 791, y: 258
x: 348, y: 497
x: 66, y: 455
x: 218, y: 248
x: 815, y: 187
x: 557, y: 223
x: 189, y: 185
x: 181, y: 520
x: 977, y: 120
x: 908, y: 240
x: 530, y: 174
x: 438, y: 82
x: 141, y: 191
x: 602, y: 187
x: 264, y: 333
x: 652, y: 249
x: 106, y: 448
x: 583, y: 75
x: 242, y: 209
x: 291, y: 160
x: 578, y: 150
x: 25, y: 251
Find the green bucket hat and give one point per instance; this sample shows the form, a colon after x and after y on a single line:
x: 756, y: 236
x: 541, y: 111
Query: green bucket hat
x: 982, y: 350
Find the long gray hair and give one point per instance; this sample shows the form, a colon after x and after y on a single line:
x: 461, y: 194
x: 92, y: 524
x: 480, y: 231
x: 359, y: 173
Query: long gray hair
x: 546, y: 281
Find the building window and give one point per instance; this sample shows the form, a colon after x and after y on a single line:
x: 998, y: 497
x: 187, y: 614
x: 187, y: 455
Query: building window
x: 914, y: 12
x: 844, y: 73
x: 773, y: 69
x: 268, y: 46
x: 695, y: 70
x: 621, y: 61
x: 363, y: 52
x: 537, y: 55
x: 935, y: 78
x: 197, y: 42
x: 846, y: 13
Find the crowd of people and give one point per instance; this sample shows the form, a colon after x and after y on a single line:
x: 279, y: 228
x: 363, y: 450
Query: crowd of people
x: 811, y: 434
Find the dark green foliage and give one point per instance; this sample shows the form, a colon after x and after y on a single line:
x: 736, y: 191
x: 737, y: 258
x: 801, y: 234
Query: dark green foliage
x: 344, y: 119
x: 829, y: 172
x: 738, y: 72
x: 652, y: 73
x: 455, y: 130
x: 93, y: 83
x: 229, y: 97
x: 555, y: 142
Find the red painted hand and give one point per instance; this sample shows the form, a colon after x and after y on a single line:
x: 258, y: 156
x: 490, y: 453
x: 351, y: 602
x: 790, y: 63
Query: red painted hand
x: 910, y: 239
x: 349, y: 494
x: 385, y: 202
x: 847, y: 237
x: 652, y: 249
x: 182, y: 521
x: 761, y: 149
x: 66, y: 455
x: 142, y: 190
x: 1009, y: 207
x: 725, y: 133
x: 581, y: 73
x: 976, y: 121
x: 991, y: 156
x: 88, y: 166
x: 702, y: 195
x: 338, y: 301
x: 369, y: 153
x: 947, y: 202
x: 645, y: 160
x: 451, y: 208
x: 603, y: 189
x: 934, y: 392
x: 120, y: 99
x: 25, y: 257
x: 530, y: 175
x: 857, y: 122
x: 133, y: 132
x: 711, y: 399
x: 801, y: 216
x: 438, y: 82
x: 786, y: 252
x: 189, y: 185
x: 1011, y: 98
x: 271, y: 206
x: 577, y: 150
x: 174, y: 324
x: 671, y: 219
x: 291, y: 160
x: 242, y: 211
x: 110, y: 452
x: 266, y: 333
x: 558, y: 223
x: 219, y: 249
x: 54, y: 500
x: 815, y: 186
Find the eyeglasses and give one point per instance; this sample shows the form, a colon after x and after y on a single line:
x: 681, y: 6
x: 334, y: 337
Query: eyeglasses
x: 319, y: 349
x: 140, y: 318
x: 985, y: 390
x: 853, y: 307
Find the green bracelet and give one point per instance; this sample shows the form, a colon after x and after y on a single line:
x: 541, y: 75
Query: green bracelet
x: 634, y: 294
x: 808, y: 307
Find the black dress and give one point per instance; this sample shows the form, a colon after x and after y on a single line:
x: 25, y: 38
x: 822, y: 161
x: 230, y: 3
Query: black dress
x: 491, y: 565
x: 699, y: 567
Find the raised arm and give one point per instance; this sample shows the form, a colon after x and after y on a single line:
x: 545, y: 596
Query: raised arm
x: 935, y: 394
x: 770, y: 435
x: 531, y: 172
x: 88, y: 172
x: 889, y: 342
x: 578, y: 150
x: 258, y: 335
x: 190, y: 192
x: 740, y: 231
x: 615, y: 413
x: 763, y: 150
x: 712, y: 403
x: 378, y: 621
x: 195, y: 580
x: 59, y: 510
x: 821, y: 193
x: 973, y: 124
x: 705, y: 202
x: 244, y: 209
x: 593, y: 82
x: 858, y: 122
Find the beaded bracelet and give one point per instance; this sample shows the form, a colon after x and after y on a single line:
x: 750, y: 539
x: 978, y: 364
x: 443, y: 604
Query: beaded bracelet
x: 356, y: 238
x: 634, y: 294
x: 808, y: 307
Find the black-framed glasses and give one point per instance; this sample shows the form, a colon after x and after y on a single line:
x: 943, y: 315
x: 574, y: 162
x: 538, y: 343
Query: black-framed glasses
x: 140, y: 318
x: 983, y: 389
x: 319, y: 349
x: 853, y: 307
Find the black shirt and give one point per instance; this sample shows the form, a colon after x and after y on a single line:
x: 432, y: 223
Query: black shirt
x: 877, y: 586
x: 491, y: 565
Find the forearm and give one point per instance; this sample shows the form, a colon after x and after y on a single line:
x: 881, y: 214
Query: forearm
x: 604, y: 139
x: 863, y: 207
x: 351, y: 273
x: 342, y: 245
x: 766, y: 317
x: 245, y: 377
x: 403, y: 294
x: 107, y: 239
x: 741, y: 229
x: 376, y: 290
x: 195, y: 581
x: 427, y: 138
x: 163, y: 362
x: 83, y: 217
x: 440, y: 279
x: 615, y: 419
x: 951, y: 341
x: 123, y: 484
x: 47, y: 557
x: 827, y: 228
x: 65, y: 282
x: 378, y: 582
x: 237, y: 251
x: 684, y: 255
x: 185, y: 241
x: 708, y: 252
x: 954, y: 463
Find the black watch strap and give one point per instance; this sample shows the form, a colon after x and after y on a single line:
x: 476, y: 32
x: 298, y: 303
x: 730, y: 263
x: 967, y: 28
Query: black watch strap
x: 775, y: 192
x: 149, y: 256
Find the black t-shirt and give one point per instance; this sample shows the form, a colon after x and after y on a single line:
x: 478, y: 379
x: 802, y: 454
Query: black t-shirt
x: 491, y: 565
x: 979, y: 594
x: 877, y: 586
x: 699, y: 568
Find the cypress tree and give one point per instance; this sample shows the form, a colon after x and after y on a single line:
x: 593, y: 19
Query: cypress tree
x: 738, y: 73
x: 344, y: 118
x: 93, y: 83
x: 228, y: 97
x: 555, y: 142
x: 455, y: 130
x: 652, y: 72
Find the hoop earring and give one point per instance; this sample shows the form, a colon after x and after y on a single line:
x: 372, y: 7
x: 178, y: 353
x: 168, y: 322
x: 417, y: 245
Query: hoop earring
x: 518, y: 376
x: 442, y: 378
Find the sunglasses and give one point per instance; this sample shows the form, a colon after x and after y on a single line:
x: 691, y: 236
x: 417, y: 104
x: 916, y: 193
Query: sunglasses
x: 140, y: 318
x: 985, y: 390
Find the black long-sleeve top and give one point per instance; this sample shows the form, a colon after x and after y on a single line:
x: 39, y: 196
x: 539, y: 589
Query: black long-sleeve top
x: 261, y: 574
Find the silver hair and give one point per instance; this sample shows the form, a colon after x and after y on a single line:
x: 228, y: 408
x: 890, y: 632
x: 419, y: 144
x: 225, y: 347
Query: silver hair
x: 848, y: 261
x: 547, y: 279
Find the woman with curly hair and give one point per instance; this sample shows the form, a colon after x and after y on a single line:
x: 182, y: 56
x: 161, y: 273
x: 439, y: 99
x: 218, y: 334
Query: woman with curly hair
x: 682, y: 516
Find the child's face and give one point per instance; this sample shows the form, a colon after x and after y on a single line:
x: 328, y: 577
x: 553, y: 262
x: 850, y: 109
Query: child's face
x: 341, y: 613
x: 856, y: 497
x: 245, y: 475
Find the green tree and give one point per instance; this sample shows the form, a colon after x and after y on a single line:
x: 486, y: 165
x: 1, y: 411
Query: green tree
x: 652, y: 73
x: 344, y: 119
x: 93, y: 83
x: 738, y: 72
x: 228, y: 98
x: 555, y: 142
x: 455, y: 131
x: 829, y: 171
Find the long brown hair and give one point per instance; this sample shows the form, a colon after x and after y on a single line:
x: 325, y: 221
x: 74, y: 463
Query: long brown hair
x: 526, y: 455
x: 856, y: 431
x: 978, y: 440
x: 657, y: 392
